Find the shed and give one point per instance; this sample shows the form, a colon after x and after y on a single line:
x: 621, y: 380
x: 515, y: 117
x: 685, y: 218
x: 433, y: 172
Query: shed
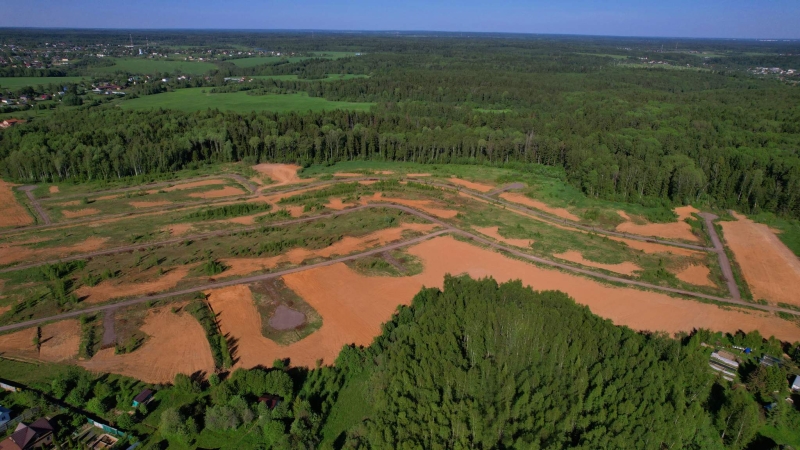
x: 796, y: 383
x: 143, y: 397
x: 5, y: 415
x: 272, y: 401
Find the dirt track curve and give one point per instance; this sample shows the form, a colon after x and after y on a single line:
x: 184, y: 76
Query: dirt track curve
x: 28, y: 190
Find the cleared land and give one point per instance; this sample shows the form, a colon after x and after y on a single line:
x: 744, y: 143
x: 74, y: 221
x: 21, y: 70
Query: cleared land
x: 176, y: 344
x: 12, y: 214
x: 14, y: 83
x: 536, y: 204
x: 195, y: 99
x: 771, y: 270
x: 673, y: 230
x: 149, y: 66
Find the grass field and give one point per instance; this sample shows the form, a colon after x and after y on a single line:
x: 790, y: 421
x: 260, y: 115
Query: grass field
x: 330, y: 77
x: 195, y: 99
x: 20, y: 82
x: 259, y: 60
x: 148, y: 66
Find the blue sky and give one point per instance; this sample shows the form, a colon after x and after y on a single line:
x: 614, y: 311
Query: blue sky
x: 680, y: 18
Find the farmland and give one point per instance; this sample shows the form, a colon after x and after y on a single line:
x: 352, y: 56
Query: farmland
x: 195, y: 99
x: 159, y: 66
x: 14, y: 83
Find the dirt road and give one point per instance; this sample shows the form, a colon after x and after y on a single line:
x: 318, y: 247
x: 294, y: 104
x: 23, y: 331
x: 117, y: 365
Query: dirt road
x: 719, y: 249
x: 28, y: 190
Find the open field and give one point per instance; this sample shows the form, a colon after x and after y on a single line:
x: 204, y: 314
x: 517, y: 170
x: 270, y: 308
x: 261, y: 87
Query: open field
x: 150, y: 66
x: 259, y: 60
x: 12, y: 214
x: 14, y: 83
x: 195, y: 99
x: 771, y: 270
x: 329, y: 77
x: 175, y: 238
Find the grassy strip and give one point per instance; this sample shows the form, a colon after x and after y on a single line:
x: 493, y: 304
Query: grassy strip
x: 219, y: 345
x: 744, y: 289
x: 222, y: 212
x: 91, y: 331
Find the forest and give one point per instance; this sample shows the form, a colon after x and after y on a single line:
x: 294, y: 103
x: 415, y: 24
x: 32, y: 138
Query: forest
x: 710, y: 135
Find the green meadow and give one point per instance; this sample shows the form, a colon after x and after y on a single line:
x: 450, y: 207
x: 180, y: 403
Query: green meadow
x: 259, y: 60
x: 147, y: 66
x: 194, y: 99
x: 20, y: 82
x: 330, y: 77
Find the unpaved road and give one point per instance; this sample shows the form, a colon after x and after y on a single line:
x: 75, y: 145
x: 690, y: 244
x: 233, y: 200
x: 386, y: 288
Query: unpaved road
x: 28, y: 190
x: 724, y: 262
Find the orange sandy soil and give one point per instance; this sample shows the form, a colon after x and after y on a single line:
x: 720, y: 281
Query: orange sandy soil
x: 625, y: 268
x: 422, y: 205
x: 16, y: 253
x: 527, y: 201
x: 771, y: 270
x: 178, y: 229
x: 12, y: 214
x: 79, y: 213
x: 280, y: 174
x: 337, y: 204
x: 109, y: 289
x: 348, y: 174
x: 471, y: 185
x: 367, y: 182
x: 697, y: 275
x: 493, y: 232
x: 149, y: 204
x: 53, y: 189
x: 59, y: 342
x: 385, y: 172
x: 192, y: 185
x: 176, y: 344
x: 70, y: 203
x: 108, y: 197
x: 347, y: 245
x: 412, y: 175
x: 353, y: 306
x: 227, y: 191
x: 673, y: 230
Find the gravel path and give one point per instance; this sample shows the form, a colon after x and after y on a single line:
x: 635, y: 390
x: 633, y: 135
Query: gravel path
x: 724, y: 262
x: 35, y: 203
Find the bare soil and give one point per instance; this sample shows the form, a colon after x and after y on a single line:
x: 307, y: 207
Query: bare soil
x: 771, y: 270
x: 178, y: 229
x: 493, y: 233
x: 417, y: 175
x: 625, y: 268
x: 53, y: 189
x: 696, y: 274
x: 353, y: 306
x: 79, y: 213
x: 673, y: 230
x: 424, y: 205
x: 191, y: 185
x: 337, y: 204
x: 280, y: 174
x: 367, y: 182
x: 138, y: 205
x: 60, y: 341
x: 110, y: 289
x: 177, y: 344
x: 227, y: 191
x: 108, y: 197
x: 348, y: 174
x: 12, y: 214
x: 285, y: 318
x: 653, y: 248
x: 70, y: 203
x: 529, y: 202
x: 480, y: 187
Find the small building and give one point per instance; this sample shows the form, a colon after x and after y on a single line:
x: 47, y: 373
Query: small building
x: 143, y: 397
x: 5, y: 415
x: 724, y: 363
x: 8, y: 123
x: 796, y: 383
x: 36, y: 435
x: 272, y: 401
x: 769, y: 360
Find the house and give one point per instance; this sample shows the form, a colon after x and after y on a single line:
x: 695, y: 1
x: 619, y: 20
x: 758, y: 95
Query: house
x: 8, y: 123
x: 5, y: 415
x: 35, y: 435
x: 143, y: 397
x: 796, y: 383
x: 272, y: 401
x: 724, y: 363
x: 769, y: 360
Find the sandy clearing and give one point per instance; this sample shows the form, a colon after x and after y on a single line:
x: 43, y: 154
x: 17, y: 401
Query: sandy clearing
x: 416, y: 175
x: 60, y: 341
x: 771, y: 270
x: 138, y: 205
x: 108, y: 197
x: 493, y: 232
x: 367, y: 182
x: 4, y: 309
x: 536, y: 204
x: 672, y: 230
x: 385, y: 172
x: 19, y: 343
x: 295, y: 211
x: 110, y: 289
x: 280, y: 174
x: 79, y: 213
x: 696, y: 274
x: 227, y: 191
x: 17, y: 253
x: 471, y: 185
x: 423, y: 205
x: 653, y: 248
x: 625, y: 268
x: 337, y: 204
x: 345, y: 246
x: 178, y: 229
x: 176, y: 344
x: 70, y: 203
x: 348, y: 174
x: 53, y: 189
x: 353, y: 306
x: 12, y: 214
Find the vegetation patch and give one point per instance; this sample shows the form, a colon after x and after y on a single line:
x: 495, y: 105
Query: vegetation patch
x: 274, y: 297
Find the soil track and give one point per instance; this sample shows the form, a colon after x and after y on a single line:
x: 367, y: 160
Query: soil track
x: 724, y: 262
x: 671, y: 230
x: 480, y: 187
x: 527, y: 201
x: 624, y: 268
x: 13, y: 214
x: 770, y: 269
x: 177, y: 344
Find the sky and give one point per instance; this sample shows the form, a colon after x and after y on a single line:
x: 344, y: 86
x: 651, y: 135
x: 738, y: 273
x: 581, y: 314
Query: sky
x: 760, y: 19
